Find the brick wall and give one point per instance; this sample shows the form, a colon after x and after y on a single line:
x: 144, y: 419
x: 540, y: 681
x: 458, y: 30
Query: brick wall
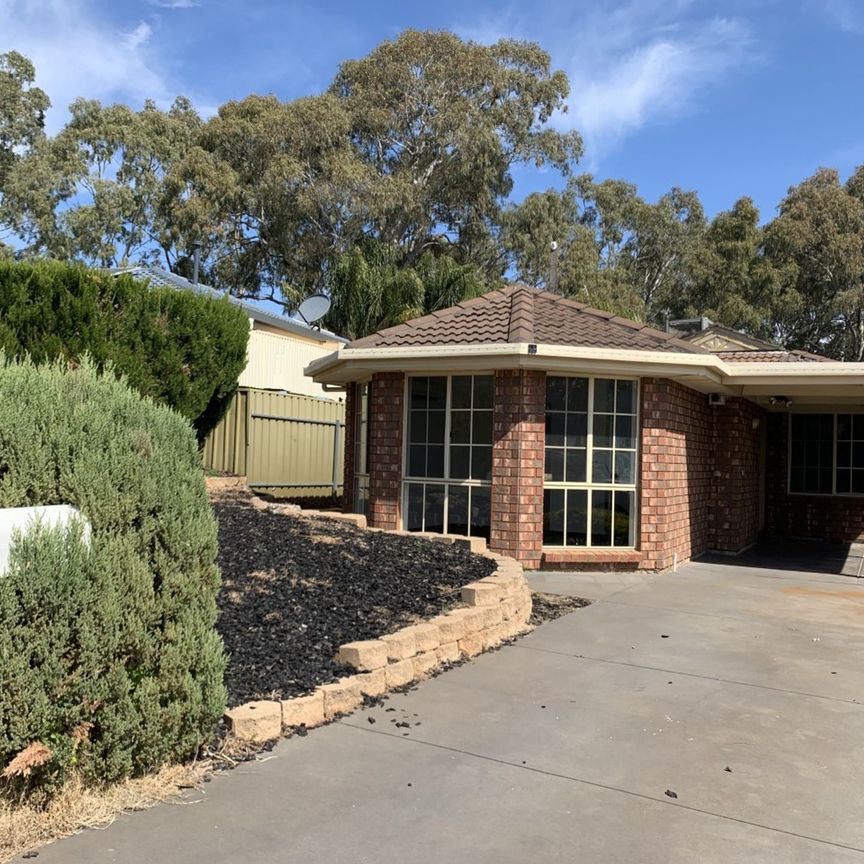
x: 348, y: 444
x: 519, y: 420
x: 839, y: 519
x: 385, y: 457
x: 739, y: 426
x: 677, y: 472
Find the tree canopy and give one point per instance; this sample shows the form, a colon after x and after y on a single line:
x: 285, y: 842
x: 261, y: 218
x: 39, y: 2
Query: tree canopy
x: 393, y: 190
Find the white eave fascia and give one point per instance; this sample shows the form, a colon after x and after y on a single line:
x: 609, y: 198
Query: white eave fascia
x: 510, y: 355
x: 347, y: 364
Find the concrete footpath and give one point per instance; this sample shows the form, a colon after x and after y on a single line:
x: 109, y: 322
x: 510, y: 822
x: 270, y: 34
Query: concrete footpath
x: 708, y: 715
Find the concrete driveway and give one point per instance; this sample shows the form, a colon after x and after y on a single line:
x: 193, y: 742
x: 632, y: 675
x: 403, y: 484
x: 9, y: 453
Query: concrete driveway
x: 563, y: 746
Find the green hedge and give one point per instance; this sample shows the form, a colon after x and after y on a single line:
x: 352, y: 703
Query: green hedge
x: 183, y: 349
x: 108, y: 654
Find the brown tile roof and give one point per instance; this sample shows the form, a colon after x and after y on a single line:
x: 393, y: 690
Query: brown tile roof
x: 778, y: 355
x: 518, y: 313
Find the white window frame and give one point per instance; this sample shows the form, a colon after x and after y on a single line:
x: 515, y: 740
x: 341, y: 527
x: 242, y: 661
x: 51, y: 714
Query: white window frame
x: 833, y: 493
x: 361, y: 478
x: 442, y: 481
x: 589, y: 486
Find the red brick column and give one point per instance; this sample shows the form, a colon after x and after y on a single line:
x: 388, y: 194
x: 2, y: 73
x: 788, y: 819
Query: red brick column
x: 517, y: 465
x: 348, y: 448
x: 387, y: 392
x: 677, y: 472
x: 738, y: 430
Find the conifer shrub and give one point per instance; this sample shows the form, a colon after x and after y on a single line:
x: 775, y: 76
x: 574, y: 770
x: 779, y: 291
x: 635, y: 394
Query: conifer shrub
x: 109, y: 661
x: 183, y: 349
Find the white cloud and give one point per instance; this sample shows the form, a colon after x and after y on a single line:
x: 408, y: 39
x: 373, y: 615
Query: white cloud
x: 174, y: 4
x: 632, y: 65
x: 133, y: 40
x: 77, y: 54
x: 848, y: 15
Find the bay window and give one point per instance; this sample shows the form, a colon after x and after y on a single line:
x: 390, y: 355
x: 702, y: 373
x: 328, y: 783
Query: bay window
x: 448, y: 454
x: 589, y: 495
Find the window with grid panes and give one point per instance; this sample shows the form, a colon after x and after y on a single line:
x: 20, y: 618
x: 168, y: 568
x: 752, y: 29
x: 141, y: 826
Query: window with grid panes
x: 590, y: 462
x: 361, y: 449
x: 826, y: 454
x: 448, y: 459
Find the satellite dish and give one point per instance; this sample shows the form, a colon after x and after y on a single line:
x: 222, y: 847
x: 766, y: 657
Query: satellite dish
x: 315, y: 306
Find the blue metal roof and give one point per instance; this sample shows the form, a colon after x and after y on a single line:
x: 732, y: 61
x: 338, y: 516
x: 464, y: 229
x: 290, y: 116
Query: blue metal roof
x: 167, y: 279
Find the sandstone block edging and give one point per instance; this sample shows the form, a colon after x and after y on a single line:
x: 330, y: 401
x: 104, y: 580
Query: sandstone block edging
x: 496, y: 609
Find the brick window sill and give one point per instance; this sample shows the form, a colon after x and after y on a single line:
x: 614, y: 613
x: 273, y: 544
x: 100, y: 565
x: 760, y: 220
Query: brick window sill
x: 557, y: 556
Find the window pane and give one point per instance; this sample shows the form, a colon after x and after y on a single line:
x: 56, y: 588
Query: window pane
x: 603, y: 424
x: 434, y: 508
x: 624, y: 466
x: 438, y: 393
x: 417, y: 460
x: 482, y: 427
x: 577, y: 394
x: 812, y: 453
x: 577, y: 430
x: 435, y: 461
x: 556, y: 393
x: 417, y: 427
x: 480, y: 512
x: 481, y: 463
x: 577, y: 517
x: 624, y: 432
x: 601, y: 517
x: 554, y: 464
x: 575, y: 466
x: 483, y: 391
x: 460, y: 462
x: 844, y: 427
x: 555, y: 423
x: 624, y: 533
x: 414, y: 521
x: 419, y: 391
x: 844, y: 482
x: 626, y: 397
x: 858, y: 455
x: 460, y: 391
x: 553, y: 517
x: 857, y: 482
x: 460, y: 427
x: 457, y: 510
x: 604, y: 395
x: 858, y: 427
x: 601, y: 466
x: 436, y: 427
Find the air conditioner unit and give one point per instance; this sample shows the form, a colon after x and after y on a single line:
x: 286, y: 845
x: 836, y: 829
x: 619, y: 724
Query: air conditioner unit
x: 716, y: 398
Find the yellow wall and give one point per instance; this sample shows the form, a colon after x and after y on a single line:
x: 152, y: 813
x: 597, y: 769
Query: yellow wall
x: 276, y: 362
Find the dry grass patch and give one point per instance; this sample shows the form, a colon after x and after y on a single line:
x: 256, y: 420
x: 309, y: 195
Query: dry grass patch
x: 76, y: 807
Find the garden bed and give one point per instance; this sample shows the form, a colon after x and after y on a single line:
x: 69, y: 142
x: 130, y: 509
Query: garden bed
x: 294, y: 589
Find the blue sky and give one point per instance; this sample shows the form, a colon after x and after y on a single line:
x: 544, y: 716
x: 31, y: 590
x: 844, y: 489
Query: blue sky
x: 727, y: 98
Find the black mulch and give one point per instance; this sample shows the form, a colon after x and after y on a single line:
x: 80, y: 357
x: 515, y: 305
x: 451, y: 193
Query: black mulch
x: 548, y: 607
x: 294, y: 589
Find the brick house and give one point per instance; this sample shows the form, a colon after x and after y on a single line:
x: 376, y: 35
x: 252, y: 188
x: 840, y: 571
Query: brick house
x: 570, y: 437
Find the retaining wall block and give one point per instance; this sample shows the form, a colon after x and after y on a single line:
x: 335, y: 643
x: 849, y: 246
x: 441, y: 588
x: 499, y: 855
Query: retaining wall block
x: 341, y: 697
x: 256, y: 722
x: 400, y: 645
x: 471, y: 644
x: 492, y: 615
x: 305, y: 711
x: 480, y: 594
x: 450, y: 627
x: 425, y: 663
x: 399, y: 674
x: 365, y: 656
x: 372, y: 683
x: 448, y: 652
x: 426, y: 636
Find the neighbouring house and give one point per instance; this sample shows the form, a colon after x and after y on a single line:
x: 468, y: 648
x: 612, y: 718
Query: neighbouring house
x: 282, y: 431
x: 571, y: 437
